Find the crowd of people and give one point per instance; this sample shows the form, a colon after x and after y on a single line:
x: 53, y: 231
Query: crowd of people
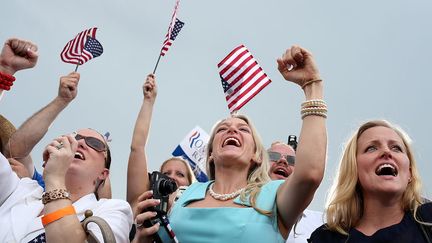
x: 254, y: 194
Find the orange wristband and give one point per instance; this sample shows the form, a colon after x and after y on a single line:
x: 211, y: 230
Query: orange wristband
x: 56, y: 215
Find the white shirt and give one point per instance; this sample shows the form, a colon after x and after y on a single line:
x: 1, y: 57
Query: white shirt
x: 20, y: 206
x: 307, y: 224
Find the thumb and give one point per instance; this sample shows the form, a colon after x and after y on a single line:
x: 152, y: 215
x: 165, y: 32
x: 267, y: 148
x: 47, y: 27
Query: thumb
x: 32, y: 53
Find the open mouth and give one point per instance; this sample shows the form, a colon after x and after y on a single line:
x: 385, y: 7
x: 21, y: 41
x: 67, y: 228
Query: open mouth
x: 79, y: 155
x: 281, y: 172
x: 231, y: 141
x: 386, y: 170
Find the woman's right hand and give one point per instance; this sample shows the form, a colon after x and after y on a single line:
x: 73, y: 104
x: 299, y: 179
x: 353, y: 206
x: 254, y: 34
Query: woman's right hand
x: 58, y: 155
x: 150, y: 88
x: 143, y: 213
x: 18, y: 54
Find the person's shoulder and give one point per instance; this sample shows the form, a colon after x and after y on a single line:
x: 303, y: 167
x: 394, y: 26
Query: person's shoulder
x: 273, y: 184
x: 114, y: 204
x: 425, y: 211
x: 323, y: 235
x: 197, y: 187
x: 196, y: 191
x: 427, y: 205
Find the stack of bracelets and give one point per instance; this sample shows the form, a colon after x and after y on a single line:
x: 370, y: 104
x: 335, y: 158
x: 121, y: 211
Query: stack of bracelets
x: 316, y: 107
x: 6, y: 81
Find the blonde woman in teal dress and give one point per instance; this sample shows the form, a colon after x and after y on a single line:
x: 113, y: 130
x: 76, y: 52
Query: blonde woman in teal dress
x: 241, y: 203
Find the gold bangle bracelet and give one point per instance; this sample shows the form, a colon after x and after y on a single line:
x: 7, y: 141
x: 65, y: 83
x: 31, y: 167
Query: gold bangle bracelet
x: 310, y: 82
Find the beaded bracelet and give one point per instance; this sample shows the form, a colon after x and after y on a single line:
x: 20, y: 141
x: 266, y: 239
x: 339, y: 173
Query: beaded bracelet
x: 322, y: 114
x: 56, y: 215
x: 6, y: 81
x: 313, y: 103
x: 314, y: 109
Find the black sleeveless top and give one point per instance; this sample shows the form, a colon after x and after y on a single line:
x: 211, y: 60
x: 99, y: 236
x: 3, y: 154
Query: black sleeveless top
x: 407, y: 231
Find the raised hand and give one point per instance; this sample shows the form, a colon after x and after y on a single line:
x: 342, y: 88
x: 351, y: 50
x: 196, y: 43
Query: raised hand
x: 150, y: 88
x: 297, y: 65
x: 68, y: 87
x: 18, y: 54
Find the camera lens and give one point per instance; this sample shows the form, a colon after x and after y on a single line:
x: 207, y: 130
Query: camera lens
x: 167, y: 186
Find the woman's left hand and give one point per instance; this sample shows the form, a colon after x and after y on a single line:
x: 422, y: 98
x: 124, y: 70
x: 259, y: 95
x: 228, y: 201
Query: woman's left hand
x: 297, y: 65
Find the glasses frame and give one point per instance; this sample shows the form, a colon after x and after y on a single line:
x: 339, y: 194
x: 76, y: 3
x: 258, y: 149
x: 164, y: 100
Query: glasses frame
x: 289, y: 158
x: 88, y: 140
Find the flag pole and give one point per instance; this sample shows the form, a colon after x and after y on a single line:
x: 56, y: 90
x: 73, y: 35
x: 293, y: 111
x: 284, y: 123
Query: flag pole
x: 76, y: 68
x: 157, y: 63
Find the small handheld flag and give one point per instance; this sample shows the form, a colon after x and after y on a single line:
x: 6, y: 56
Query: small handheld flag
x: 171, y: 35
x: 173, y: 30
x: 82, y: 48
x: 242, y: 78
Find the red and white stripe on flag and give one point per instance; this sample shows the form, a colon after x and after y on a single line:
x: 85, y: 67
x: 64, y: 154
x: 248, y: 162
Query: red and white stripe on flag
x: 242, y: 77
x: 167, y: 42
x: 74, y: 51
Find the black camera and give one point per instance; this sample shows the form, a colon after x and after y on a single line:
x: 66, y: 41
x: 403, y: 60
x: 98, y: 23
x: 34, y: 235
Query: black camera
x: 162, y: 187
x: 292, y: 141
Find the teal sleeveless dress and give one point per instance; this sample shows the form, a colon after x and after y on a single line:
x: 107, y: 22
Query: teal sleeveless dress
x: 225, y: 224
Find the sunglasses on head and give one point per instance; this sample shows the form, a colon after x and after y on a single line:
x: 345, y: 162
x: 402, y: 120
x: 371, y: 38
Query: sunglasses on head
x: 275, y: 156
x: 93, y: 143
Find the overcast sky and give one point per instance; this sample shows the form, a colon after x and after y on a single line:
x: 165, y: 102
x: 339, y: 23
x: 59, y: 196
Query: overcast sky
x: 374, y: 57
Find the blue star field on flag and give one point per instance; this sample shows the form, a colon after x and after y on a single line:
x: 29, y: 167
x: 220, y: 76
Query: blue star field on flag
x: 177, y: 27
x: 93, y: 46
x: 226, y: 86
x: 171, y: 36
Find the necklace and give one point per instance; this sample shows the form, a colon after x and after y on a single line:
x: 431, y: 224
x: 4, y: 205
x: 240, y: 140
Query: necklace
x: 224, y: 197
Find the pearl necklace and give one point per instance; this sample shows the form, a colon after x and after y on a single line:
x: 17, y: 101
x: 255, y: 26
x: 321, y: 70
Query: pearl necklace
x: 224, y: 197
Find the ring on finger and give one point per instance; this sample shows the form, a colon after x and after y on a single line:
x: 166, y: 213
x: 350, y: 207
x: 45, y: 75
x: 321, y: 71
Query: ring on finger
x: 61, y: 145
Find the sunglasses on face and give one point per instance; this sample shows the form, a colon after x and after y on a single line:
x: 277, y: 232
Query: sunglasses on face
x: 93, y: 143
x: 275, y: 156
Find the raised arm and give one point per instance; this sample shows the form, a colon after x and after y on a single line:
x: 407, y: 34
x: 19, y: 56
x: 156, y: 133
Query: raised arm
x: 137, y: 177
x: 31, y: 131
x: 297, y: 65
x: 16, y: 55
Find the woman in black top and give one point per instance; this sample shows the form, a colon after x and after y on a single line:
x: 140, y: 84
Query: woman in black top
x: 376, y: 194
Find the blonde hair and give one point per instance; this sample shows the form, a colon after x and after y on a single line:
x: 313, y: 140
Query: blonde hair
x: 258, y: 172
x: 190, y: 175
x: 345, y: 204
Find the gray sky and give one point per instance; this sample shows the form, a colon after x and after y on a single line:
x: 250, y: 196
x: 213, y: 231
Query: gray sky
x: 374, y: 57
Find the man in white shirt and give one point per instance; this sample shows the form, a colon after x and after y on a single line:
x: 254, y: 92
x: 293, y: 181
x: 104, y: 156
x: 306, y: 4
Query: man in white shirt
x: 282, y: 159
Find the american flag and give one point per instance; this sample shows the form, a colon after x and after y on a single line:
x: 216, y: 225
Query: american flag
x: 82, y: 48
x: 242, y: 77
x: 39, y: 239
x: 171, y: 35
